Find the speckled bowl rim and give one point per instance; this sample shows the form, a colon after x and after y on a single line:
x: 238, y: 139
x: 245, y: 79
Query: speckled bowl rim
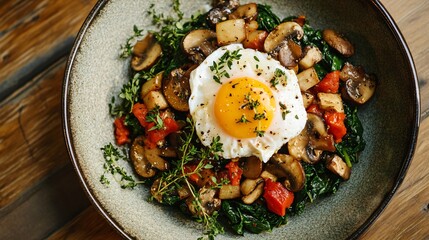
x: 83, y: 180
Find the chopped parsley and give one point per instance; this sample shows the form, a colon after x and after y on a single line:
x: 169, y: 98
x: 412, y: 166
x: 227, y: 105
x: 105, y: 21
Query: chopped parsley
x: 243, y: 119
x: 278, y: 78
x: 284, y: 110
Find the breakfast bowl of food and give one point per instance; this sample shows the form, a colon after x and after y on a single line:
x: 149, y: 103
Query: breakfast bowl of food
x: 240, y: 119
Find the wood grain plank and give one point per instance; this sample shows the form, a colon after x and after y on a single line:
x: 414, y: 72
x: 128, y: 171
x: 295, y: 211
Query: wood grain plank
x: 33, y: 34
x: 31, y: 136
x: 88, y: 225
x: 413, y: 21
x: 48, y: 206
x: 407, y: 215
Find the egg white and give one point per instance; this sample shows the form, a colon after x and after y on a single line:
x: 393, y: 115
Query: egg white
x: 259, y: 66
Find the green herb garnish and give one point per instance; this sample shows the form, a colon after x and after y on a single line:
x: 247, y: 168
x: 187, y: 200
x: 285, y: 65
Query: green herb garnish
x: 226, y: 60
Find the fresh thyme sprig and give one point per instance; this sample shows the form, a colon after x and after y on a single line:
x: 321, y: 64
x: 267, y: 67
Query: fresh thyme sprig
x: 259, y: 133
x: 250, y: 103
x: 129, y: 95
x: 178, y: 176
x: 127, y: 49
x: 153, y: 116
x: 226, y: 60
x: 111, y: 156
x: 259, y: 116
x: 243, y: 119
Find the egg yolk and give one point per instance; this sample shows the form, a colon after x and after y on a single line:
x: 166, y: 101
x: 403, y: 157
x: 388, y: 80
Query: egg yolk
x: 244, y: 107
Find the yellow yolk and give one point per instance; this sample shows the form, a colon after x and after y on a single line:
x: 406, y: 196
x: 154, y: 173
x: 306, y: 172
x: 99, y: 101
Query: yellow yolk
x: 244, y: 107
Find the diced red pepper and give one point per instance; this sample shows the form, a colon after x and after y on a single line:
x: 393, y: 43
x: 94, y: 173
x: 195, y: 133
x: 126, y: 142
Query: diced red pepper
x: 140, y: 111
x: 195, y: 178
x: 277, y: 197
x: 300, y: 20
x: 330, y: 83
x: 121, y: 131
x: 234, y: 173
x: 314, y: 108
x: 156, y: 135
x: 153, y: 135
x: 336, y: 126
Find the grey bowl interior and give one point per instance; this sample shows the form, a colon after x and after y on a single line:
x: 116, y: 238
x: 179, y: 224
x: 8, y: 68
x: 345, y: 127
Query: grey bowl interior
x: 95, y: 73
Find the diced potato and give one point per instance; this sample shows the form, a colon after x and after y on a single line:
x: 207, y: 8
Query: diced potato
x: 248, y: 185
x: 307, y: 79
x: 266, y: 175
x: 331, y: 101
x: 155, y: 98
x: 311, y: 57
x: 255, y: 40
x: 230, y: 31
x: 152, y: 85
x: 252, y: 26
x: 336, y: 165
x: 229, y: 192
x: 307, y: 98
x: 254, y: 195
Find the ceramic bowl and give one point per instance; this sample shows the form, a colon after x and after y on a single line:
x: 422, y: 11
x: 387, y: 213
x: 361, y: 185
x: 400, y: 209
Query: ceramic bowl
x: 95, y: 73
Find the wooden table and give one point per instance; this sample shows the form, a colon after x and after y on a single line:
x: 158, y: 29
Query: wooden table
x: 40, y: 196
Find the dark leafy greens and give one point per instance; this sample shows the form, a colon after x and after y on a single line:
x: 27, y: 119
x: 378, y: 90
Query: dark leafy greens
x: 254, y: 218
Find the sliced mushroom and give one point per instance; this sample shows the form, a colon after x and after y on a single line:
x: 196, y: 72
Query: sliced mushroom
x: 176, y: 88
x: 252, y: 167
x: 285, y: 166
x: 312, y: 140
x: 221, y: 11
x: 282, y: 32
x: 336, y: 165
x: 247, y: 12
x: 289, y: 54
x: 209, y: 203
x: 338, y: 42
x: 153, y: 157
x: 359, y: 86
x: 199, y: 43
x: 155, y: 189
x: 138, y: 157
x: 318, y: 134
x: 145, y: 53
x: 254, y: 190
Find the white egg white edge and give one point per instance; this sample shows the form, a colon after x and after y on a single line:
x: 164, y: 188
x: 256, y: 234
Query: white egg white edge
x: 204, y: 90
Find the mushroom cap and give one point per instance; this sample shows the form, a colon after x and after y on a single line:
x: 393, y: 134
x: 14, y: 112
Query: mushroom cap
x: 196, y: 38
x: 145, y: 53
x: 281, y: 33
x: 285, y: 166
x: 338, y: 42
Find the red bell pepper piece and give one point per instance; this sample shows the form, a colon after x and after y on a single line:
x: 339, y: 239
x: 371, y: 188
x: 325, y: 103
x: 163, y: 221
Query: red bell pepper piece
x: 170, y: 126
x: 336, y: 126
x: 140, y: 111
x: 195, y: 178
x: 330, y: 83
x: 314, y: 108
x: 121, y: 131
x: 277, y: 197
x: 234, y: 173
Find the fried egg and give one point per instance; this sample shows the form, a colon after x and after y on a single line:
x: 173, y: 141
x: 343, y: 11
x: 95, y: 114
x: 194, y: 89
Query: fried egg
x: 248, y: 100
